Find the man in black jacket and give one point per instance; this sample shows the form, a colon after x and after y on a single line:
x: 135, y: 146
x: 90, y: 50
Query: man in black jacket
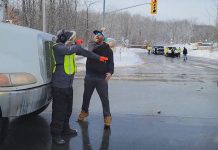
x: 97, y: 76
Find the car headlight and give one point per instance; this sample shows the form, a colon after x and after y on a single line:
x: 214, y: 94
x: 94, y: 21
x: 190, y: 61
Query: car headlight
x: 16, y: 79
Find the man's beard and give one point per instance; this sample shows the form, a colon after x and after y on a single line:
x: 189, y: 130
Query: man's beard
x: 99, y: 41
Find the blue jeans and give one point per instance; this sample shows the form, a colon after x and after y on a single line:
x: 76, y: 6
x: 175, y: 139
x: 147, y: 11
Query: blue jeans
x: 184, y: 57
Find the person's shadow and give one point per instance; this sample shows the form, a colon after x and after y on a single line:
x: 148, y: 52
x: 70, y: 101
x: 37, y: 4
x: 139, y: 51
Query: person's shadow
x: 27, y: 134
x: 86, y: 141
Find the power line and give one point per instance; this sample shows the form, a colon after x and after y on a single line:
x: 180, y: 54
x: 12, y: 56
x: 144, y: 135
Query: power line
x: 114, y: 11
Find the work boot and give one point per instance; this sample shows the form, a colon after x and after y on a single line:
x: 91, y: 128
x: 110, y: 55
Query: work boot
x: 82, y: 115
x: 70, y: 132
x: 107, y: 121
x: 57, y: 139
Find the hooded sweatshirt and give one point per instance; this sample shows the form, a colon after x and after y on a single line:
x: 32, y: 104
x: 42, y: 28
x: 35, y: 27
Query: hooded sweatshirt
x: 98, y: 69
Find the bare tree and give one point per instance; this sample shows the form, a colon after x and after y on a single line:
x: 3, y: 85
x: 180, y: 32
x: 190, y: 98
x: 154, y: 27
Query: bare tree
x: 65, y: 14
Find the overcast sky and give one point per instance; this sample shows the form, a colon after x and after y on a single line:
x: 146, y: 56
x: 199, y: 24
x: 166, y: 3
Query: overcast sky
x: 201, y: 11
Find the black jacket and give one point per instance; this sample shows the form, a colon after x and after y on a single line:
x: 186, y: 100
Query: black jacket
x: 98, y: 68
x: 185, y: 51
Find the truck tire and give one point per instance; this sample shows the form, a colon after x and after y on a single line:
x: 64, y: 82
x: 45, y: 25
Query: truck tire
x: 4, y: 124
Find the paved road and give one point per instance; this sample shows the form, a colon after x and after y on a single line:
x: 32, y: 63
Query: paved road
x: 164, y: 104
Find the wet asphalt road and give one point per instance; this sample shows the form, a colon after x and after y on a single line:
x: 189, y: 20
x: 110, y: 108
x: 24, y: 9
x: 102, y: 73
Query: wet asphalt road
x: 163, y: 104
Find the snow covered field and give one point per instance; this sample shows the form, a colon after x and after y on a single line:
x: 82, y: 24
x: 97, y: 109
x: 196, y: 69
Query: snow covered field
x: 204, y: 53
x: 210, y: 54
x: 124, y: 57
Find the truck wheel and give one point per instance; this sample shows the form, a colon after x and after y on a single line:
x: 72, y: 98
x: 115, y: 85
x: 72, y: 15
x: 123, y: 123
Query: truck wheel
x: 4, y: 124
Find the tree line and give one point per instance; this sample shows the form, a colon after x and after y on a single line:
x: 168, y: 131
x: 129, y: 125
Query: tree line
x: 78, y: 16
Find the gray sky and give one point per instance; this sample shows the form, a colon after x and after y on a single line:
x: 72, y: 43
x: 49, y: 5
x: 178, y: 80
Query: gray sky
x: 200, y: 11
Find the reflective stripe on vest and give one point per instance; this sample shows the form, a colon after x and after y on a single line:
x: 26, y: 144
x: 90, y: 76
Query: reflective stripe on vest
x: 69, y: 63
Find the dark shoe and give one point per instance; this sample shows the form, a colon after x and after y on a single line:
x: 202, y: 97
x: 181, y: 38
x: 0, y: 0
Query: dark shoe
x: 58, y: 140
x: 70, y: 132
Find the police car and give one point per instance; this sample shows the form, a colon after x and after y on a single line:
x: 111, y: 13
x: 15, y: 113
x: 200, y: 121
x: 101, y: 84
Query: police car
x: 171, y: 51
x: 158, y: 50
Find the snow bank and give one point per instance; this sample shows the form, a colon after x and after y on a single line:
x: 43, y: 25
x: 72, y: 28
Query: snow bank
x: 124, y: 57
x: 210, y: 54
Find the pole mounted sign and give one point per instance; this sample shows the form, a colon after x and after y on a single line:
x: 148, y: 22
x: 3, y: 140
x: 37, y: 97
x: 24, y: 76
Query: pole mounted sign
x: 153, y: 6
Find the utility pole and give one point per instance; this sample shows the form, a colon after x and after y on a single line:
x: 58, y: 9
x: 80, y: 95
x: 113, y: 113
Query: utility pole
x: 87, y: 18
x: 217, y: 14
x: 103, y: 17
x: 216, y: 34
x: 1, y: 10
x: 75, y: 21
x: 43, y: 16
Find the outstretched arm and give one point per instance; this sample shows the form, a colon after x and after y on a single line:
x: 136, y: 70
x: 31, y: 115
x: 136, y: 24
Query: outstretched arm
x: 90, y: 54
x: 86, y: 53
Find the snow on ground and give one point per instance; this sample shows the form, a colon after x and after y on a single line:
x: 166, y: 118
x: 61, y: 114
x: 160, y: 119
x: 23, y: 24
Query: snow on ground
x: 210, y: 54
x: 124, y: 57
x: 128, y: 57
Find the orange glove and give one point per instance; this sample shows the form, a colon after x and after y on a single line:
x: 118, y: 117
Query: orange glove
x: 103, y: 59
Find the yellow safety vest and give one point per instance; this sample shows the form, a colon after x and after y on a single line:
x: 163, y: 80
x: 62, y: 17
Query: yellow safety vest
x: 69, y: 63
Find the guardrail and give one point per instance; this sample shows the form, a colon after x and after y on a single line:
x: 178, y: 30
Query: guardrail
x: 136, y: 46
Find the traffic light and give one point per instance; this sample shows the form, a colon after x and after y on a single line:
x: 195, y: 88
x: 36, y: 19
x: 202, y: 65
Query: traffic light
x: 153, y: 6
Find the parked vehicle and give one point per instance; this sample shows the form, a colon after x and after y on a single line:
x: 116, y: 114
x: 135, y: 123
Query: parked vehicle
x: 158, y: 50
x: 171, y: 51
x: 25, y: 71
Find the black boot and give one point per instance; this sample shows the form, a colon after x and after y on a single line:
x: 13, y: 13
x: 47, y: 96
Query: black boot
x: 57, y: 139
x: 70, y: 132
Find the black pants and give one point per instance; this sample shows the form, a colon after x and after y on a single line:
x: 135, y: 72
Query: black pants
x: 101, y: 86
x: 61, y: 109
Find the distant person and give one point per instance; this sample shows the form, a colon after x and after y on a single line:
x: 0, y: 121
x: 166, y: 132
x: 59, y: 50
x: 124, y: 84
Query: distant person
x: 97, y: 77
x: 166, y: 49
x: 179, y: 52
x: 172, y: 52
x: 149, y: 50
x: 185, y: 52
x: 155, y: 50
x: 62, y: 79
